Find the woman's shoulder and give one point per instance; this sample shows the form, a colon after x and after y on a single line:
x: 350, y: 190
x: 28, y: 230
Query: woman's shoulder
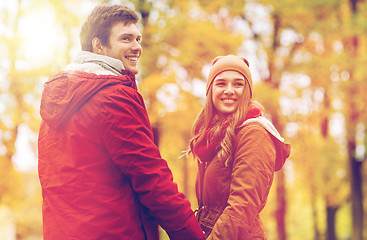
x: 259, y: 125
x: 250, y: 128
x: 256, y: 130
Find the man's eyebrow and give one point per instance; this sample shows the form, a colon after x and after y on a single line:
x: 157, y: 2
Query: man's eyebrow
x: 130, y: 35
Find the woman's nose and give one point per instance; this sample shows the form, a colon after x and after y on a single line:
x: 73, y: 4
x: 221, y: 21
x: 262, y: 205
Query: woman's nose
x: 229, y: 90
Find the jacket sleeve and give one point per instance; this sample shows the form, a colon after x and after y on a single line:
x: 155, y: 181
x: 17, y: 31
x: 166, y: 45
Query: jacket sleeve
x: 252, y: 176
x: 129, y: 141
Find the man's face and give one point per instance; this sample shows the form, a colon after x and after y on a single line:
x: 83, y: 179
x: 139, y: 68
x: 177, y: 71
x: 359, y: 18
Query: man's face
x: 125, y: 45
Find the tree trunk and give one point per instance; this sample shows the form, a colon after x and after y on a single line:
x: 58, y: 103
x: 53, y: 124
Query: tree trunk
x: 351, y: 122
x: 187, y: 181
x: 280, y: 212
x: 352, y: 119
x: 273, y: 80
x: 156, y: 135
x: 356, y: 192
x: 186, y: 177
x: 330, y: 216
x: 330, y: 210
x: 355, y: 166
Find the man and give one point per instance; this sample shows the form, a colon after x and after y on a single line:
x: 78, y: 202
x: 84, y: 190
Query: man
x: 102, y: 177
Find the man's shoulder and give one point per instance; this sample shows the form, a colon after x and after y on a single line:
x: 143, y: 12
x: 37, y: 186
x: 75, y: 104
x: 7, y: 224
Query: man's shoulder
x: 120, y: 94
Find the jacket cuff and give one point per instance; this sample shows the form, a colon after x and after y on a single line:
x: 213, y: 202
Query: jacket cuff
x: 191, y: 231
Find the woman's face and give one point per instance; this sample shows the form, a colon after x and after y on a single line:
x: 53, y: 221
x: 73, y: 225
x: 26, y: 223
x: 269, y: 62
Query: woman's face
x: 228, y: 88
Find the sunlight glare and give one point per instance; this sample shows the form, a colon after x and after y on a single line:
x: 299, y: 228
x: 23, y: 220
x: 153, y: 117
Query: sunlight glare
x: 40, y: 35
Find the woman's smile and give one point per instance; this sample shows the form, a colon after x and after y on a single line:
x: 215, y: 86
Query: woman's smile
x: 229, y: 101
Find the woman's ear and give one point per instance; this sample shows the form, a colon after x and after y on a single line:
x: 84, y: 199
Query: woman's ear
x: 216, y: 59
x: 246, y: 61
x: 97, y: 46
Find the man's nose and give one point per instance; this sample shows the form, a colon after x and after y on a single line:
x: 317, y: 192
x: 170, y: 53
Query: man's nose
x: 136, y: 46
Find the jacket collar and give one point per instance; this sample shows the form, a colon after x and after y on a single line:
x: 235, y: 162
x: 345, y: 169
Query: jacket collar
x: 95, y: 63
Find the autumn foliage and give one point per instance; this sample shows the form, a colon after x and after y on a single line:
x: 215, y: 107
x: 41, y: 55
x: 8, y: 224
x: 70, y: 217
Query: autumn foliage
x: 308, y: 60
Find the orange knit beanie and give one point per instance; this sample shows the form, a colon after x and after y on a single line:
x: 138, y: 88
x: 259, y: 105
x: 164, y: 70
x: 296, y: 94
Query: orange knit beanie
x: 229, y: 62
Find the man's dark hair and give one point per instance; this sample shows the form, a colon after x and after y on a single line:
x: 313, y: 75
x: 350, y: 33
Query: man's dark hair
x: 100, y: 22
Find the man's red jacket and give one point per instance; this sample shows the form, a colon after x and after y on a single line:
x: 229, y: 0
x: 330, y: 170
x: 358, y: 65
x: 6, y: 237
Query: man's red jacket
x: 102, y: 176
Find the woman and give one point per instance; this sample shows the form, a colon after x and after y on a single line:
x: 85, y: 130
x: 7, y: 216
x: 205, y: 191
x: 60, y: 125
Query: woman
x: 238, y: 151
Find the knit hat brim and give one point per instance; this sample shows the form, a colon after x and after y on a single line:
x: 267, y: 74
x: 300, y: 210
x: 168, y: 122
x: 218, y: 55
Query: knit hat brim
x: 229, y: 63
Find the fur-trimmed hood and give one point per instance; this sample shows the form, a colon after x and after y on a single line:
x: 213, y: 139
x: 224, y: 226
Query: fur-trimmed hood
x: 283, y: 149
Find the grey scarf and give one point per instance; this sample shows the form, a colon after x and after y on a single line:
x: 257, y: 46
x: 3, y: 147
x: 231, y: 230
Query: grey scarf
x: 95, y: 63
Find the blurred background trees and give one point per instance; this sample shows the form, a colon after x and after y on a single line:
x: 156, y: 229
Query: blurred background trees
x: 308, y: 60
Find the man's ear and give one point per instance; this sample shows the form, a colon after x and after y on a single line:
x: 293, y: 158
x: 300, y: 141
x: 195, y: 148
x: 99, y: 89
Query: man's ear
x: 97, y: 46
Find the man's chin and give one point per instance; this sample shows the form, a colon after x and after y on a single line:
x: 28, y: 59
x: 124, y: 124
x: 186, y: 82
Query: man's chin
x: 135, y: 70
